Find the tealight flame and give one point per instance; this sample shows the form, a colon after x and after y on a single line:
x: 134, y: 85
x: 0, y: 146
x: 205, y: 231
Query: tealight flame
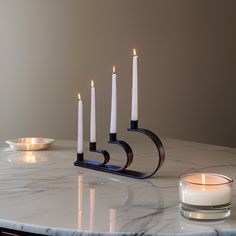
x: 114, y: 69
x: 33, y: 141
x: 203, y: 179
x: 134, y: 52
x: 92, y: 83
x: 79, y: 97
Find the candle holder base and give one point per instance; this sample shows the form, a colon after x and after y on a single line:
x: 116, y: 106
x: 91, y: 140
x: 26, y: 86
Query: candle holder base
x: 122, y: 170
x: 205, y: 213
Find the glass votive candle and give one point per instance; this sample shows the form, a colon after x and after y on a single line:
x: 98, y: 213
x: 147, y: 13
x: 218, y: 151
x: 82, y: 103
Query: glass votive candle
x: 205, y: 196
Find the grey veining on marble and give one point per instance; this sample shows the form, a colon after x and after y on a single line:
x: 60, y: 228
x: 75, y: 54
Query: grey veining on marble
x: 43, y: 192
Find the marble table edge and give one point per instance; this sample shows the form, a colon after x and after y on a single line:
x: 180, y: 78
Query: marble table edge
x: 54, y: 231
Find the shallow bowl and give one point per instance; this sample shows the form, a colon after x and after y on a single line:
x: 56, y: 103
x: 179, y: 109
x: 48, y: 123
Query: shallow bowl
x: 30, y: 143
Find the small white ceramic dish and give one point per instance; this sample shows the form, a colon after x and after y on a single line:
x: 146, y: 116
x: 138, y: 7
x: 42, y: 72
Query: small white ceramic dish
x: 30, y: 143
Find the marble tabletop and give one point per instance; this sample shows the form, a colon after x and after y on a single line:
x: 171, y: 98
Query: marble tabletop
x: 43, y: 192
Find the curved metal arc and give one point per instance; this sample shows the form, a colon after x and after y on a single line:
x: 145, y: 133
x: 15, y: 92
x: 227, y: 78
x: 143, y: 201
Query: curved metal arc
x: 160, y: 148
x: 106, y: 155
x: 129, y: 155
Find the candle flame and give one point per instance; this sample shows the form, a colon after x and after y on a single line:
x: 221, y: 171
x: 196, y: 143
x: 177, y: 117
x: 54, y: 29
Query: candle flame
x: 79, y: 97
x: 33, y: 141
x: 134, y: 52
x: 203, y: 179
x: 92, y: 83
x: 114, y: 69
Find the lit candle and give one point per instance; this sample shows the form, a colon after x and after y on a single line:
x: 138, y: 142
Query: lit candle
x: 134, y: 110
x: 92, y: 115
x: 80, y: 125
x: 205, y: 189
x: 203, y: 193
x: 113, y: 128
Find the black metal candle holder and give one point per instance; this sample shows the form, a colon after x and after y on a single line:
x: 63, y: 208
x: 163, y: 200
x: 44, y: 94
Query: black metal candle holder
x: 92, y: 148
x: 122, y: 170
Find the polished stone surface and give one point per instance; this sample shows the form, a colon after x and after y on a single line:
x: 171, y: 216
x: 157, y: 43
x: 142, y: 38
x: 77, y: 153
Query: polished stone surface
x: 44, y: 192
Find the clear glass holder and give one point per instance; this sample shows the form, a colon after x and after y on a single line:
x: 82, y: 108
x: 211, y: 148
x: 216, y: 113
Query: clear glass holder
x: 207, y: 213
x: 205, y: 196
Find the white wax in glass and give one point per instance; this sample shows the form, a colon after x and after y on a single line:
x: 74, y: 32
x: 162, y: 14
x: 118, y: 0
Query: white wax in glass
x: 113, y: 128
x: 80, y: 126
x: 134, y: 109
x: 214, y: 191
x: 93, y: 115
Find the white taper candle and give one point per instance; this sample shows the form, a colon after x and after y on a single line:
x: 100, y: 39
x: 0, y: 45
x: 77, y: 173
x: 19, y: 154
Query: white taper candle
x: 93, y: 115
x: 113, y: 128
x: 80, y: 125
x: 134, y: 110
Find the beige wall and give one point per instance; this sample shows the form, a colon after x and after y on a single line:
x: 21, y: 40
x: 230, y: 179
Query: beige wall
x: 50, y: 49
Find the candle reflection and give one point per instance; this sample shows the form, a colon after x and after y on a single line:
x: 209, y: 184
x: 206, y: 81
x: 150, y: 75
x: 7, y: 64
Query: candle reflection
x: 112, y: 213
x: 105, y: 205
x: 91, y: 210
x: 28, y: 158
x: 80, y: 200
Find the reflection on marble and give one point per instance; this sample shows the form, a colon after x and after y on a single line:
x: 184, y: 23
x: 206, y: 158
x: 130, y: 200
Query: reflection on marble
x: 27, y: 157
x: 43, y: 192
